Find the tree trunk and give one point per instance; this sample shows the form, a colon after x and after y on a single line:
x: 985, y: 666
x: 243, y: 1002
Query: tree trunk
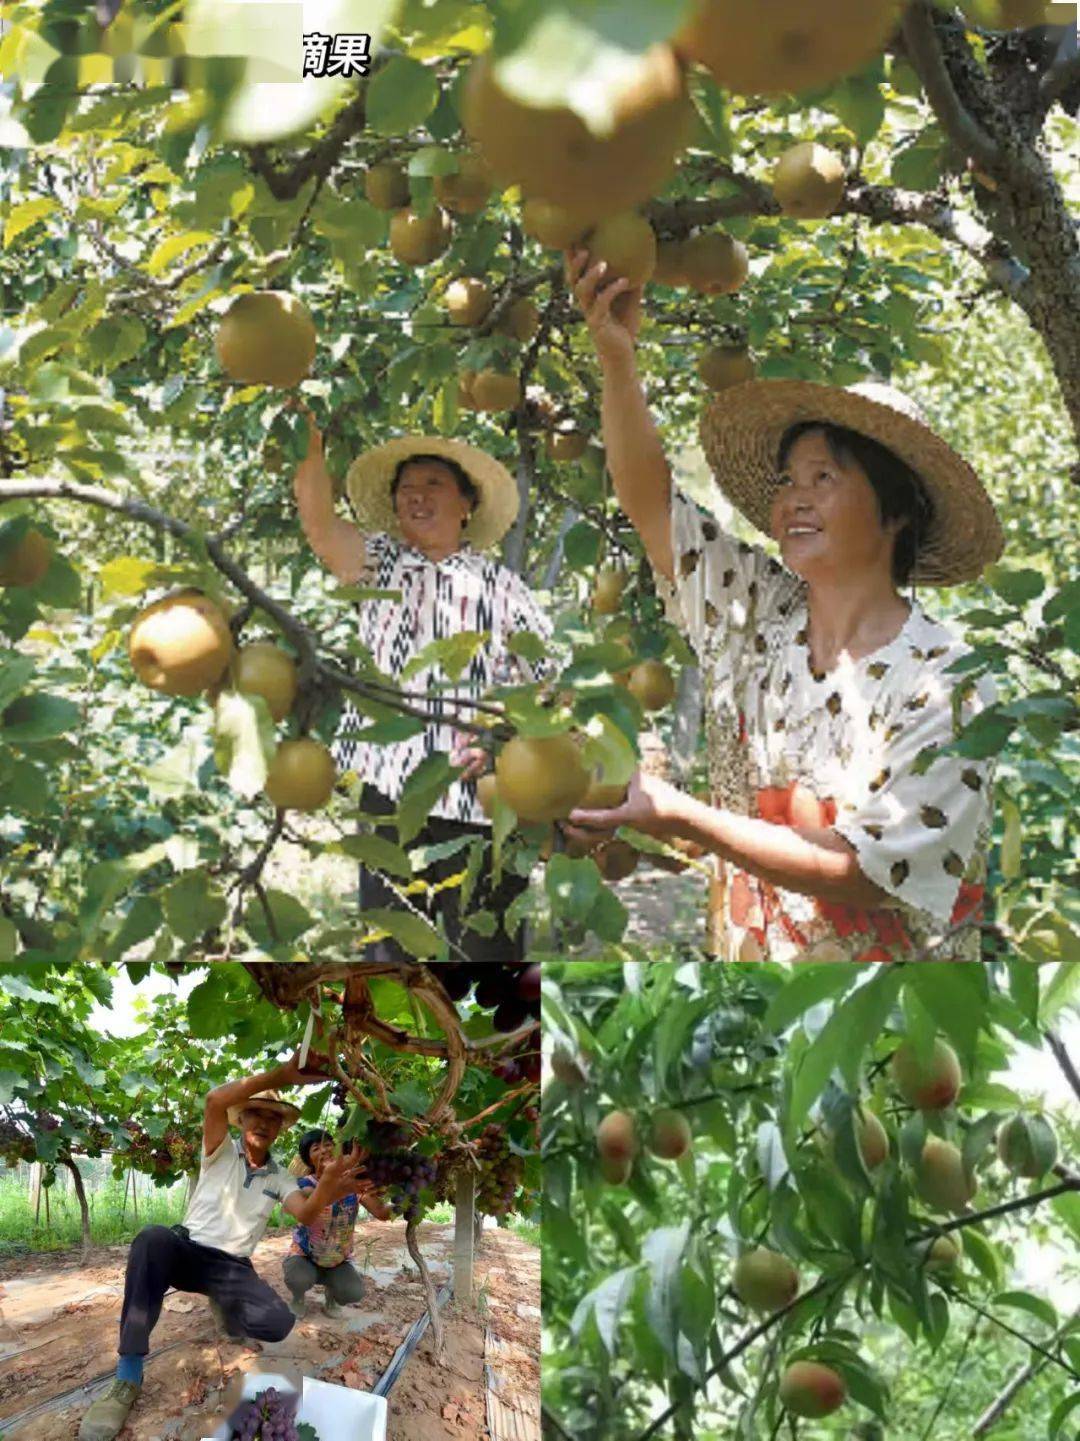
x: 554, y: 565
x: 514, y: 544
x: 438, y: 1334
x: 84, y: 1210
x: 464, y: 1235
x: 35, y: 1190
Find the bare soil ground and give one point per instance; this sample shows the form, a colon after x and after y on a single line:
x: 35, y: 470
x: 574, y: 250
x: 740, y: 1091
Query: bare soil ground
x: 58, y: 1328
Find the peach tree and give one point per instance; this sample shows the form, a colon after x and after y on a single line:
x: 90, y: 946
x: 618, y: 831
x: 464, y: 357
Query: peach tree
x: 772, y: 1196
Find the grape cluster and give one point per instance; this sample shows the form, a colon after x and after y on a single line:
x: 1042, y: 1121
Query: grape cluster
x: 399, y: 1175
x: 501, y: 1172
x: 520, y: 1064
x: 156, y: 1157
x: 512, y: 990
x: 15, y: 1144
x: 269, y: 1417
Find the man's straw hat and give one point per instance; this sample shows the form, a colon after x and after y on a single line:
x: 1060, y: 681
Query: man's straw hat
x: 742, y: 427
x: 369, y: 477
x: 266, y: 1101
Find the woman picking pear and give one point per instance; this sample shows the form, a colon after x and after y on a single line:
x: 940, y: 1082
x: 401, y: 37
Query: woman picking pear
x: 426, y: 510
x: 843, y: 826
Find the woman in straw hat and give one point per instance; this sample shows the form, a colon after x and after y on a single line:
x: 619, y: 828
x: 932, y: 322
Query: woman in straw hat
x: 427, y: 508
x: 844, y: 825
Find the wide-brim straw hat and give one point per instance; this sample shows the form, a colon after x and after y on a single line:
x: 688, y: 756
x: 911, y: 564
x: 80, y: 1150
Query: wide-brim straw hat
x: 742, y: 427
x: 266, y: 1101
x: 370, y: 475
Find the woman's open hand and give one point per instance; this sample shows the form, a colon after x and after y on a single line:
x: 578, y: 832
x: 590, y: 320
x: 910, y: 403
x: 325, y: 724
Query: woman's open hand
x: 651, y: 806
x: 611, y: 307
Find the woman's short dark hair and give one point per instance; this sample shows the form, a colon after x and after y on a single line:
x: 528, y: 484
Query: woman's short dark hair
x: 464, y: 483
x: 309, y: 1139
x: 900, y: 493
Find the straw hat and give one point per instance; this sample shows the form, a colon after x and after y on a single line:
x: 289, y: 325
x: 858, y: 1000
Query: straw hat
x: 369, y: 477
x: 742, y: 427
x: 266, y: 1101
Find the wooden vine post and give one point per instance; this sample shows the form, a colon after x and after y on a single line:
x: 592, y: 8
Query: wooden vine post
x: 347, y: 1046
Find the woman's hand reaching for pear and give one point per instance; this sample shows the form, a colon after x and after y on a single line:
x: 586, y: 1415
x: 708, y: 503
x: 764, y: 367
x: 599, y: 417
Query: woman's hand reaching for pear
x: 611, y: 307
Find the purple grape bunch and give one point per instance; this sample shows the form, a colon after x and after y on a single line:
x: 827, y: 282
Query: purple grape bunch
x: 270, y: 1416
x: 398, y: 1173
x: 511, y: 990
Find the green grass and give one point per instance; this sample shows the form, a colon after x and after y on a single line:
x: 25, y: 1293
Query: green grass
x: 528, y: 1231
x: 19, y: 1236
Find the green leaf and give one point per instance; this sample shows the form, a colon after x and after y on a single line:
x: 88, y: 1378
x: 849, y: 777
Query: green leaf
x: 1035, y: 1306
x: 430, y: 779
x: 1017, y: 587
x: 414, y: 933
x: 377, y: 853
x: 290, y: 919
x: 957, y: 997
x: 810, y: 984
x: 140, y: 923
x: 25, y: 216
x: 1061, y: 1414
x: 174, y: 246
x: 35, y: 718
x: 401, y: 96
x: 573, y: 887
x: 606, y: 1303
x: 452, y: 654
x: 243, y: 740
x: 192, y: 906
x: 662, y: 1252
x: 841, y: 1042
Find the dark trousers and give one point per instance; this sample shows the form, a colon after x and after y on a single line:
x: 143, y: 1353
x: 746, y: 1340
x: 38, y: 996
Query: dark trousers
x: 445, y: 905
x: 163, y: 1256
x: 343, y: 1283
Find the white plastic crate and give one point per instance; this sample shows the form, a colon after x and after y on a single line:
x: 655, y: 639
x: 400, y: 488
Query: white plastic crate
x: 337, y: 1412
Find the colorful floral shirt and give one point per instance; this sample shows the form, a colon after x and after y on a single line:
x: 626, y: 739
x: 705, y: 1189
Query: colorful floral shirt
x: 328, y: 1240
x: 858, y: 749
x: 430, y: 601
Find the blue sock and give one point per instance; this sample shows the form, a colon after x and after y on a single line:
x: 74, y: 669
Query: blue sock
x: 130, y: 1368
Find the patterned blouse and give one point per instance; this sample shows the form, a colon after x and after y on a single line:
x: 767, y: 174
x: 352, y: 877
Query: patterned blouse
x: 857, y: 749
x: 328, y: 1240
x: 438, y: 599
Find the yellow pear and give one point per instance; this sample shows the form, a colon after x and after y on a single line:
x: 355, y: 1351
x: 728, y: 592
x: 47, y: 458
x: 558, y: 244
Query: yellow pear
x: 627, y: 244
x: 468, y: 301
x: 266, y: 337
x: 789, y: 48
x: 566, y: 444
x: 468, y: 190
x: 28, y: 561
x: 419, y: 239
x: 809, y: 181
x: 181, y: 644
x: 493, y: 390
x: 722, y: 366
x: 263, y: 668
x: 386, y: 186
x: 552, y: 154
x: 301, y: 775
x: 552, y: 225
x: 541, y: 779
x: 521, y: 320
x: 715, y: 263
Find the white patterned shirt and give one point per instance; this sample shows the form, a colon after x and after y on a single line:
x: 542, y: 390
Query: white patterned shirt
x: 859, y: 749
x: 466, y: 592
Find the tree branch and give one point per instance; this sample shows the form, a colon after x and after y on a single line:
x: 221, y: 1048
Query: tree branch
x: 1064, y: 1060
x: 1021, y: 1203
x: 312, y: 671
x: 924, y: 52
x: 317, y: 162
x: 1058, y: 80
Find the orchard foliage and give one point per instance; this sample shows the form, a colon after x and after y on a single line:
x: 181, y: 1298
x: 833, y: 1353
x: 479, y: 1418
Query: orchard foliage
x: 683, y: 1297
x: 133, y: 216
